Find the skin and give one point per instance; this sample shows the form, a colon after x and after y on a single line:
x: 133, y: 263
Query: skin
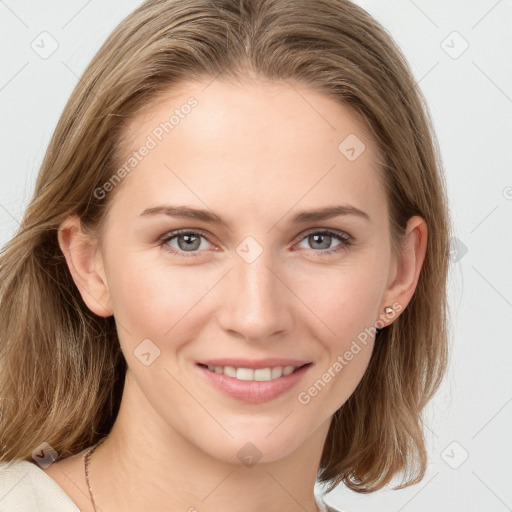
x: 255, y: 155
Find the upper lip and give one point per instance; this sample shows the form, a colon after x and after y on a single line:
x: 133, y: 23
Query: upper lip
x: 253, y: 363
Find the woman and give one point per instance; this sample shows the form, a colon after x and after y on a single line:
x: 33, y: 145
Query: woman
x: 230, y: 281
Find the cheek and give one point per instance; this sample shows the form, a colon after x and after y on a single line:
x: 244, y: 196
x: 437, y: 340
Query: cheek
x: 150, y: 297
x: 345, y: 303
x: 343, y: 299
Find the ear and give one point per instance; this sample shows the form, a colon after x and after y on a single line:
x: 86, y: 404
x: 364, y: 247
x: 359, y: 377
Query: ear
x: 407, y: 269
x: 85, y: 264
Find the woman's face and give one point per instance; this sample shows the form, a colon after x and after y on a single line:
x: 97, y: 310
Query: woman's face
x: 252, y: 276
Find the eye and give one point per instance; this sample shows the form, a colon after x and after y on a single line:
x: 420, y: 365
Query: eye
x: 322, y: 239
x: 184, y: 241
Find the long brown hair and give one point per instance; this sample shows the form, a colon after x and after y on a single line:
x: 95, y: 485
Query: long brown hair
x: 62, y: 371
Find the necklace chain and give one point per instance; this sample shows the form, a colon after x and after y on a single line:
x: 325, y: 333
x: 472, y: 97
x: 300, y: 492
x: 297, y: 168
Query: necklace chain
x: 87, y: 458
x: 86, y: 467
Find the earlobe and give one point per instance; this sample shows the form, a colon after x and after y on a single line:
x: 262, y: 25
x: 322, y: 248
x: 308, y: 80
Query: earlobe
x: 85, y: 265
x: 409, y: 266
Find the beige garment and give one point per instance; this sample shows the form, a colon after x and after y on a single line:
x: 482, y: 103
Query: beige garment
x: 25, y: 487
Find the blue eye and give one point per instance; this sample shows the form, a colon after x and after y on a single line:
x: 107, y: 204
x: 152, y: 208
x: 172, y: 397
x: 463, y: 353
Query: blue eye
x: 190, y: 241
x: 322, y: 240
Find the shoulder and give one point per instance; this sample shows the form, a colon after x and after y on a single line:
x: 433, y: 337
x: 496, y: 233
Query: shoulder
x: 324, y: 507
x: 25, y: 487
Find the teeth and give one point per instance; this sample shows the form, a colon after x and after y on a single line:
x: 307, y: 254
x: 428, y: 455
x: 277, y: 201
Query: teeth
x: 277, y: 371
x: 263, y: 374
x: 260, y: 374
x: 245, y: 374
x: 288, y: 369
x: 230, y: 371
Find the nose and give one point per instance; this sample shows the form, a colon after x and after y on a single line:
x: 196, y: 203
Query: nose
x: 256, y: 302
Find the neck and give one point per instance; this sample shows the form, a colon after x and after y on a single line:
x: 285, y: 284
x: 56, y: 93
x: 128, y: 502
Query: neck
x: 145, y: 465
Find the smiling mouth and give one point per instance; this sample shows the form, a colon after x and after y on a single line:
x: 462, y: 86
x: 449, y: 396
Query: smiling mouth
x: 250, y: 374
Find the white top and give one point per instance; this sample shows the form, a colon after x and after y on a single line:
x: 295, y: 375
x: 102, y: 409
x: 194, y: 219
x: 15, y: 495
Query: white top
x: 25, y: 487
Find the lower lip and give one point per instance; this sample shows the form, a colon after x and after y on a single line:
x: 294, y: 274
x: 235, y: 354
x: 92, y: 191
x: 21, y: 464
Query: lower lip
x: 253, y: 391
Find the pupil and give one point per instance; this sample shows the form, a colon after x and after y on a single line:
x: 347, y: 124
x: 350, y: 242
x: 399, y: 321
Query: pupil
x: 190, y: 239
x: 318, y: 238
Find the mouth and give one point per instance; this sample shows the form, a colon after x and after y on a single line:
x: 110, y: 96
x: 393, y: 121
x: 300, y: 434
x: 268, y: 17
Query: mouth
x: 253, y: 385
x: 253, y: 374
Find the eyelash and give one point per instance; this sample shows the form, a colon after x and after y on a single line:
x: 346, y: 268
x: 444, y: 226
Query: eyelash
x: 339, y: 235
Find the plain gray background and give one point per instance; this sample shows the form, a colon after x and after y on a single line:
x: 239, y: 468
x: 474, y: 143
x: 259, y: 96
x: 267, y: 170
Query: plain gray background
x: 460, y: 53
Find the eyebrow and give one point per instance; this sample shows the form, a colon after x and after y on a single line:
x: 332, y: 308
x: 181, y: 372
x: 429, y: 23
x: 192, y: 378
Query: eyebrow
x: 303, y: 217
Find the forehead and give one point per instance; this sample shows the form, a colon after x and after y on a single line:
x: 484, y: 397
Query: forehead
x: 257, y: 145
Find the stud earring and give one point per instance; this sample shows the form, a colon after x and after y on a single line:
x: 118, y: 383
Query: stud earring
x: 388, y: 310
